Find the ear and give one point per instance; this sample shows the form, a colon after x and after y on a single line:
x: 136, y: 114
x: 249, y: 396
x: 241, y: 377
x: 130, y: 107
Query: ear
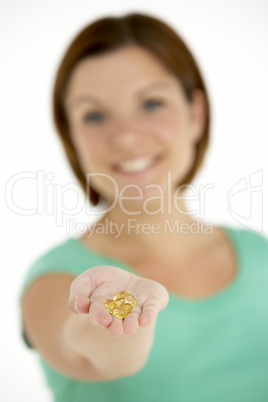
x: 198, y: 114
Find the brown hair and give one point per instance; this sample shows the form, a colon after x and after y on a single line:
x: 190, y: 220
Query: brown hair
x: 108, y: 34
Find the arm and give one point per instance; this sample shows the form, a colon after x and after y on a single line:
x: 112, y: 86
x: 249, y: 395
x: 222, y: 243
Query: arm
x: 111, y: 357
x: 92, y: 345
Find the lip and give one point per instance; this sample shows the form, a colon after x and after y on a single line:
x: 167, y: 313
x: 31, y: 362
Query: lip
x: 153, y: 161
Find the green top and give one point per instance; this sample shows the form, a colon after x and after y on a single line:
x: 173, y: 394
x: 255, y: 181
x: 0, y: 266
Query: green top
x: 215, y: 349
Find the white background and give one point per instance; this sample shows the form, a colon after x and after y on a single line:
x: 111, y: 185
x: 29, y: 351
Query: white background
x: 229, y: 39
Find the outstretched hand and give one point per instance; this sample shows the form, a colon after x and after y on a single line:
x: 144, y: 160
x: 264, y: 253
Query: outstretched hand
x: 90, y: 289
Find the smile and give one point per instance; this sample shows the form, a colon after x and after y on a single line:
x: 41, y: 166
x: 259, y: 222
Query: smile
x: 137, y: 165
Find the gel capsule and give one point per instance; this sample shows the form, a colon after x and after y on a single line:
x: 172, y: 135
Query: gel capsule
x: 127, y: 307
x: 110, y: 305
x: 131, y: 299
x: 119, y: 312
x: 107, y: 302
x: 120, y: 301
x: 120, y: 295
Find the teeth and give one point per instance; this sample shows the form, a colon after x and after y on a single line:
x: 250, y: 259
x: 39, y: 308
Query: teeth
x: 135, y: 165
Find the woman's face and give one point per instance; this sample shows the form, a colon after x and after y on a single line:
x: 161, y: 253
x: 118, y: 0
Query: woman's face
x: 131, y: 122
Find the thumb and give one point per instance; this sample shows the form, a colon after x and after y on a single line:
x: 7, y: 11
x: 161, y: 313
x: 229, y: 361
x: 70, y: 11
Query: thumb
x: 80, y: 292
x: 81, y: 305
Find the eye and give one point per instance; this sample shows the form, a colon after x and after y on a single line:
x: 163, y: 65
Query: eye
x: 152, y: 104
x: 94, y: 117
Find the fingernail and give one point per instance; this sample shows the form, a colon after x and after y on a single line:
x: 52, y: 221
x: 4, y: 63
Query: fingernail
x: 75, y: 307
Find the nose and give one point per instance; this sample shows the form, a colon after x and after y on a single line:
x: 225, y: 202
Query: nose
x: 126, y: 135
x: 126, y: 140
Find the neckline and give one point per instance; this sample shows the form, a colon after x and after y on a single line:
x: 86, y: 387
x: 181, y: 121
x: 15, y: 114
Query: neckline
x: 215, y: 299
x: 226, y: 294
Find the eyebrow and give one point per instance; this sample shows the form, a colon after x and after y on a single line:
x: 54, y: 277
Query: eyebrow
x: 92, y: 99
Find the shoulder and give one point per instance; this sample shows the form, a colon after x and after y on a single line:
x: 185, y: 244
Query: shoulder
x: 61, y: 255
x: 249, y: 237
x: 50, y: 261
x: 67, y: 257
x: 249, y: 244
x: 243, y: 231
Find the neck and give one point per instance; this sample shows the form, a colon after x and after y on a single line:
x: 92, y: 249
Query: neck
x: 150, y: 228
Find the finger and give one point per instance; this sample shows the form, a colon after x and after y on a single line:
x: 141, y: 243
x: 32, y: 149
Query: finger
x: 116, y: 327
x: 80, y: 291
x: 83, y: 286
x: 99, y: 315
x: 150, y: 310
x: 81, y: 304
x: 131, y: 322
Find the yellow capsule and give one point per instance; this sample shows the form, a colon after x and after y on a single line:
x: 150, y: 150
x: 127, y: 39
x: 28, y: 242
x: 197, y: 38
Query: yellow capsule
x: 120, y: 302
x: 107, y: 302
x: 127, y: 307
x: 111, y: 306
x: 119, y: 312
x: 131, y: 299
x: 120, y: 295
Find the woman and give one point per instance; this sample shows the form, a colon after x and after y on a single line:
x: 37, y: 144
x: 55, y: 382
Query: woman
x: 132, y: 111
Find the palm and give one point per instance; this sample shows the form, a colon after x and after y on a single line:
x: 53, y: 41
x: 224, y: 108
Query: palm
x: 90, y: 289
